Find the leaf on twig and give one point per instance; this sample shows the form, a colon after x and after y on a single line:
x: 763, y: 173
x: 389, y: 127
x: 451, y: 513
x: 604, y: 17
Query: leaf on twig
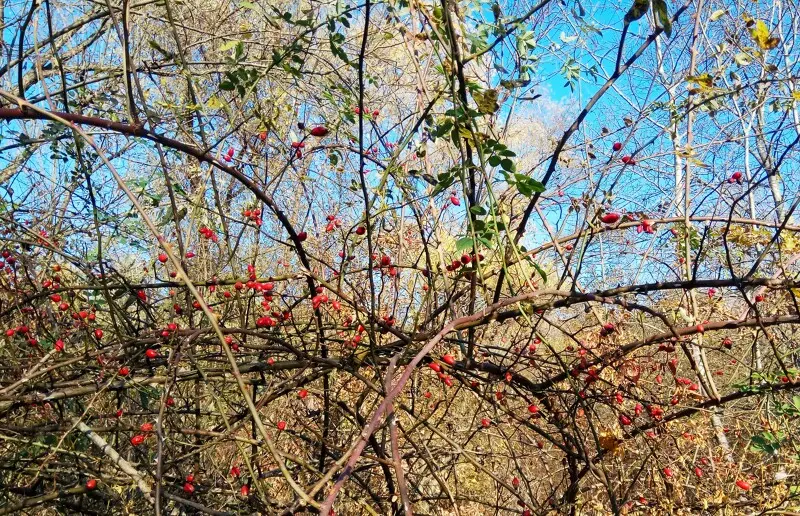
x: 660, y: 9
x: 486, y: 101
x: 637, y: 10
x: 716, y: 15
x: 760, y: 34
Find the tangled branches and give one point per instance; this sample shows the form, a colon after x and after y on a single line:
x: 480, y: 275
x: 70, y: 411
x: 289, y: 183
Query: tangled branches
x: 356, y: 258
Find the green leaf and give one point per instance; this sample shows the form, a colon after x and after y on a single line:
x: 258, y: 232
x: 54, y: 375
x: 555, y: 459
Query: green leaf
x: 537, y: 186
x: 464, y: 243
x: 766, y: 442
x: 443, y: 128
x: 540, y: 271
x: 660, y: 9
x: 487, y: 240
x: 445, y: 180
x: 527, y: 186
x: 637, y: 10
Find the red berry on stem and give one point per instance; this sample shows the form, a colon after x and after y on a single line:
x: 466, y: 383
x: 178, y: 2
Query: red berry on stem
x: 610, y: 218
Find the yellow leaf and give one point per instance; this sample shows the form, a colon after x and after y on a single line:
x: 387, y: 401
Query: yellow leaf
x: 716, y: 15
x: 609, y: 442
x: 760, y: 34
x: 361, y: 353
x: 487, y: 101
x: 796, y: 94
x: 705, y: 81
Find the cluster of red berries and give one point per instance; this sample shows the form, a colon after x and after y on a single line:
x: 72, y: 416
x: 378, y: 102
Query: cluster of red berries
x: 437, y: 368
x: 188, y: 486
x: 169, y: 330
x: 374, y: 113
x: 333, y: 223
x: 236, y: 472
x: 385, y: 262
x: 254, y: 215
x: 209, y: 234
x: 465, y: 260
x: 645, y: 226
x: 9, y: 259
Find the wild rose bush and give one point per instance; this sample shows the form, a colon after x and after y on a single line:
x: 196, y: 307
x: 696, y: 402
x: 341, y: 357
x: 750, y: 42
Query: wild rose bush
x: 396, y: 257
